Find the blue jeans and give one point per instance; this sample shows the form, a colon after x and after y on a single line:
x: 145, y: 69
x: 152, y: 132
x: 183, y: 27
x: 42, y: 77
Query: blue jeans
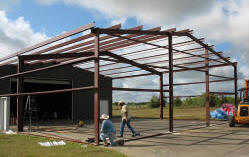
x: 111, y: 137
x: 122, y: 125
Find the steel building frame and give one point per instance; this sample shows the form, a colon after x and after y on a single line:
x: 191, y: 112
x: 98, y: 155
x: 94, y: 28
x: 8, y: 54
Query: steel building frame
x: 100, y: 49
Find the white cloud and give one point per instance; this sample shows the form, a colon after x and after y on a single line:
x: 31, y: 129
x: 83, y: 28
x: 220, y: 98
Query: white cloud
x: 118, y: 21
x: 218, y: 20
x: 221, y: 21
x: 148, y: 11
x: 16, y: 35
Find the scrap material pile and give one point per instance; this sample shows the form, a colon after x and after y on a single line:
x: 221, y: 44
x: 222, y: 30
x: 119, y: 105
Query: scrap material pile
x: 222, y: 112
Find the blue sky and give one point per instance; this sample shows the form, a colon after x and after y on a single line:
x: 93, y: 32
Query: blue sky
x: 56, y: 18
x: 223, y: 23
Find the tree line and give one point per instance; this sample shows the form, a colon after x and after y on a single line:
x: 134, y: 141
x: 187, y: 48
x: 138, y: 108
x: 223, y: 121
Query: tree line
x: 200, y: 101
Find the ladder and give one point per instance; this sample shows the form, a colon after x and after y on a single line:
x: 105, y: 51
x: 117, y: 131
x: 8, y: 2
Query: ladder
x: 30, y: 112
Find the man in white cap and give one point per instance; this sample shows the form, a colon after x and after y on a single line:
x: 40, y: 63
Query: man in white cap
x: 107, y: 131
x: 126, y: 118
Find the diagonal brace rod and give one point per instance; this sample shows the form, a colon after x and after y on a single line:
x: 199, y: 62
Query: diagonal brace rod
x: 128, y: 61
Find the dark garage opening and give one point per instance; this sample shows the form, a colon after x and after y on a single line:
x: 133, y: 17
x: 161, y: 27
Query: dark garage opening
x: 59, y: 104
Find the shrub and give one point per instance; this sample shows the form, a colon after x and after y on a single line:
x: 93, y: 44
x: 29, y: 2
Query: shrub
x: 154, y: 102
x: 177, y: 101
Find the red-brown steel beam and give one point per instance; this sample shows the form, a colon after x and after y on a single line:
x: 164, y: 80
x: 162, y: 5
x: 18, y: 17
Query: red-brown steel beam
x: 221, y: 93
x: 56, y: 56
x: 199, y: 68
x: 235, y: 85
x: 188, y: 50
x: 144, y: 38
x: 165, y: 47
x: 155, y: 66
x: 200, y: 82
x: 138, y: 32
x: 171, y: 86
x: 49, y: 67
x: 161, y: 96
x: 188, y: 63
x: 111, y: 42
x: 77, y: 45
x: 132, y: 76
x: 161, y: 55
x: 150, y: 64
x: 129, y: 71
x: 104, y: 46
x: 207, y: 89
x: 20, y: 106
x: 155, y: 48
x: 143, y: 137
x: 224, y: 77
x: 131, y: 62
x: 118, y: 43
x: 196, y: 62
x: 97, y: 90
x: 72, y: 47
x: 178, y: 59
x: 133, y: 89
x: 183, y: 96
x: 178, y: 70
x: 206, y: 46
x: 48, y: 92
x: 57, y: 38
x: 63, y: 44
x: 189, y: 69
x: 124, y: 72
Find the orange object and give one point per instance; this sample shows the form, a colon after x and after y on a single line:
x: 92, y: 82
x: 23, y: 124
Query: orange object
x: 241, y: 113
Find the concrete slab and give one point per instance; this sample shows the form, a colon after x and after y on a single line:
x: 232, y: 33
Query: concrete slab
x: 191, y: 138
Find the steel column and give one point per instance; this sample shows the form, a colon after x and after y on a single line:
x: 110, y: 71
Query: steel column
x: 19, y: 99
x: 235, y: 85
x: 207, y: 89
x: 171, y: 97
x: 96, y: 86
x: 161, y: 96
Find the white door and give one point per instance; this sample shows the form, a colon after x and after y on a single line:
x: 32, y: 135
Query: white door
x: 1, y: 114
x: 4, y: 113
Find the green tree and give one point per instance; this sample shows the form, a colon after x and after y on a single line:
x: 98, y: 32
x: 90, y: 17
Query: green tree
x: 188, y: 102
x: 214, y: 100
x: 154, y: 102
x: 177, y: 101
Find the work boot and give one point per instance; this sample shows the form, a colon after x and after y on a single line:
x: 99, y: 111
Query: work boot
x: 106, y: 144
x: 136, y: 134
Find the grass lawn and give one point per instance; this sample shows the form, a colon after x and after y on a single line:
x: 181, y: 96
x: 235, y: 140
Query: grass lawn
x: 184, y: 113
x: 27, y: 146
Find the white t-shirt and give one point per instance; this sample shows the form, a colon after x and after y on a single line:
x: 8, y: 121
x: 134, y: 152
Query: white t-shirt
x: 124, y: 110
